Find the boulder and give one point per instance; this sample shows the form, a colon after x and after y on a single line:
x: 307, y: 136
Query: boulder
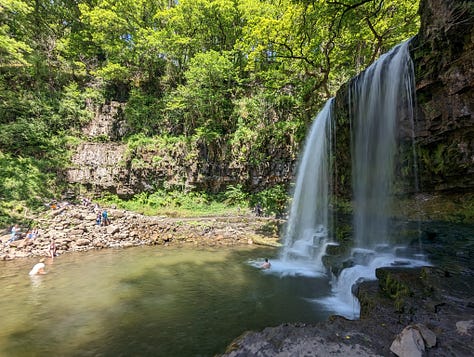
x: 112, y: 229
x: 82, y: 242
x: 77, y: 232
x: 429, y: 337
x: 463, y: 327
x: 408, y: 343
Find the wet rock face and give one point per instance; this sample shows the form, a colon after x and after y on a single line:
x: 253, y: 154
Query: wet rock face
x: 443, y: 54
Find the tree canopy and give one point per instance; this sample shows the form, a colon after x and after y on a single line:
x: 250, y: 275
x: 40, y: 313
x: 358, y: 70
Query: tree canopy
x: 247, y: 73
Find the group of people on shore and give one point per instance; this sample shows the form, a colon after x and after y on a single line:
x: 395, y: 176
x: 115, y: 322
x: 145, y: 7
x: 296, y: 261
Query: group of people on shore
x: 15, y: 234
x: 31, y: 234
x: 102, y: 218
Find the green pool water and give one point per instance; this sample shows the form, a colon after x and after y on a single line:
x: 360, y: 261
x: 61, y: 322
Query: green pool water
x: 147, y: 301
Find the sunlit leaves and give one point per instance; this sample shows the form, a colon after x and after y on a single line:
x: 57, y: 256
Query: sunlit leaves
x: 324, y: 41
x: 13, y: 45
x: 205, y: 99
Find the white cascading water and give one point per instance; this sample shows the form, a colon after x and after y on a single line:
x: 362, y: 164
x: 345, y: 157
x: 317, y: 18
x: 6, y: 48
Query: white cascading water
x: 379, y: 97
x: 309, y: 220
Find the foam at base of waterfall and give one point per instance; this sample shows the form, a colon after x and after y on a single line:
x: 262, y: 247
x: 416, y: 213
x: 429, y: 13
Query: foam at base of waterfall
x: 342, y: 301
x: 291, y: 268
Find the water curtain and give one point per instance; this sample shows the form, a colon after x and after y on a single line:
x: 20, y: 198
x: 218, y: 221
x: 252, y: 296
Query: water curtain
x: 380, y: 99
x: 309, y: 220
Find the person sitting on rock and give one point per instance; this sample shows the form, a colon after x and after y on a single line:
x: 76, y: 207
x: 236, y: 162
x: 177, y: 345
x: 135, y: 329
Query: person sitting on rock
x: 15, y: 233
x: 34, y: 233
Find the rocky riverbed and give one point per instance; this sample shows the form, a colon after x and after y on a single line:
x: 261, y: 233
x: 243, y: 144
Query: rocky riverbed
x: 407, y: 312
x: 74, y: 228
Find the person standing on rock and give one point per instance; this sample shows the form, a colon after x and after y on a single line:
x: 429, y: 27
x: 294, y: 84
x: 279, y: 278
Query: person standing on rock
x: 105, y: 218
x: 52, y: 249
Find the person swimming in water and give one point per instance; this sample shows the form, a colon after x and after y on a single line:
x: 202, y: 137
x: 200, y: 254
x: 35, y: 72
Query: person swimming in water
x: 266, y: 264
x: 38, y: 269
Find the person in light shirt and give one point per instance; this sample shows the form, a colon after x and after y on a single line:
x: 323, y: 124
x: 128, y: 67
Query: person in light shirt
x: 38, y: 269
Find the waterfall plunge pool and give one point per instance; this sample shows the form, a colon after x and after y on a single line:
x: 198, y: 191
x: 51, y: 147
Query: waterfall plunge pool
x: 149, y: 301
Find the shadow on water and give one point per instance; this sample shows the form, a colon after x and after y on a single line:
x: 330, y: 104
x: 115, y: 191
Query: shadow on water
x: 449, y: 246
x: 144, y: 301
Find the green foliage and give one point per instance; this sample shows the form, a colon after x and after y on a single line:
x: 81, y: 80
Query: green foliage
x: 13, y: 47
x: 141, y: 143
x: 23, y: 138
x: 235, y: 195
x: 113, y: 72
x: 263, y: 127
x: 273, y: 200
x: 179, y: 203
x: 205, y: 99
x: 143, y: 113
x: 395, y: 290
x: 322, y: 42
x: 24, y: 184
x: 72, y: 111
x: 234, y: 80
x: 174, y: 203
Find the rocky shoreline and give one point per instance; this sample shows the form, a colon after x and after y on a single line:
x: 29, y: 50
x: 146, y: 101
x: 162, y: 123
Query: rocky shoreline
x: 426, y: 311
x: 406, y: 312
x: 74, y: 229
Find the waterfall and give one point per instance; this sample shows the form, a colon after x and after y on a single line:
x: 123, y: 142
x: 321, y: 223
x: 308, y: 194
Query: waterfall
x: 308, y: 224
x: 379, y: 99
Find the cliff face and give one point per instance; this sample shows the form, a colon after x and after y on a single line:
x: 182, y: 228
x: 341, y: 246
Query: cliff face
x: 112, y: 167
x: 100, y: 166
x: 116, y: 168
x: 443, y: 54
x: 108, y: 122
x: 444, y: 130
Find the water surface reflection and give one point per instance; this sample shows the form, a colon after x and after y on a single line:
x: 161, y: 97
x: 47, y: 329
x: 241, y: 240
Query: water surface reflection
x: 147, y: 301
